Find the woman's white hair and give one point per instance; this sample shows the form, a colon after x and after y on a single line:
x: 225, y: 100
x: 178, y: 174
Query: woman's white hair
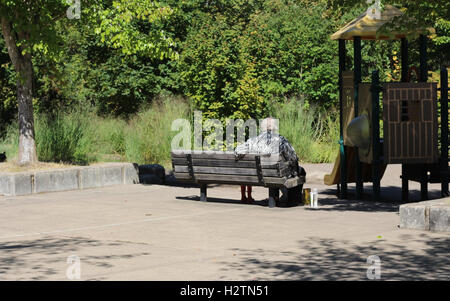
x: 269, y: 124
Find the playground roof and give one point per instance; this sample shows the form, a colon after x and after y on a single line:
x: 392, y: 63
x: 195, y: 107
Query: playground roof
x: 367, y: 27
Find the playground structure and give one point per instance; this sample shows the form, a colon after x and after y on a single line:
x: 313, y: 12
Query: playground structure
x: 410, y: 117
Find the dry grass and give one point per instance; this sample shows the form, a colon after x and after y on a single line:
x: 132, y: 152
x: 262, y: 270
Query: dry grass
x: 15, y: 167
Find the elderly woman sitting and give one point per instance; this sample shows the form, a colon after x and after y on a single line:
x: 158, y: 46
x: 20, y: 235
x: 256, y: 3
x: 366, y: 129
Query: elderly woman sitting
x: 269, y: 142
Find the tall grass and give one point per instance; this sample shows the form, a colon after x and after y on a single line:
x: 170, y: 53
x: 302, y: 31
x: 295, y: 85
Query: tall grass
x: 311, y: 131
x: 66, y: 137
x: 80, y: 136
x: 9, y: 144
x: 149, y: 135
x: 109, y: 138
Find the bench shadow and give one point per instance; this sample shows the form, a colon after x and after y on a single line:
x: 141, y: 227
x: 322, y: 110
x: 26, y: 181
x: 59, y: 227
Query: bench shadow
x: 225, y: 201
x: 179, y: 184
x: 263, y: 203
x: 389, y: 202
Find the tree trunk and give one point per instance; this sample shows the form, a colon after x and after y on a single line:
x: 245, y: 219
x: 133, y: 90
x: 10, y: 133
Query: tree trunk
x: 27, y: 144
x: 24, y: 68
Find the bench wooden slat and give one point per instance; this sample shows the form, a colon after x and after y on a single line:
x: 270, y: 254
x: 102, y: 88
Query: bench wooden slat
x: 223, y: 156
x: 227, y: 170
x: 228, y: 163
x: 227, y: 179
x: 242, y: 180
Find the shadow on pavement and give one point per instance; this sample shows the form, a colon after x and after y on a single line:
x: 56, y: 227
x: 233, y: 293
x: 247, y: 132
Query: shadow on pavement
x: 329, y: 259
x: 37, y: 259
x: 390, y: 194
x: 333, y: 204
x: 326, y: 204
x: 226, y: 201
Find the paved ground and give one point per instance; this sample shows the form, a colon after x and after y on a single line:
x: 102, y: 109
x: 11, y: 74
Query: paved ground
x: 151, y: 232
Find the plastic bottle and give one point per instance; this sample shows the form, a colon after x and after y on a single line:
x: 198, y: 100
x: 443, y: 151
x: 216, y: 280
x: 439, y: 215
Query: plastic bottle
x: 316, y: 198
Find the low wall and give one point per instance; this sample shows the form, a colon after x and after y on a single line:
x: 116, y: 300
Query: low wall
x: 73, y: 178
x: 429, y: 215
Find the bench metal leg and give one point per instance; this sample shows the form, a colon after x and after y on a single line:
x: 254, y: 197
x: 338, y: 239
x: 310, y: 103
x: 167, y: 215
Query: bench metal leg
x: 203, y: 197
x: 274, y: 193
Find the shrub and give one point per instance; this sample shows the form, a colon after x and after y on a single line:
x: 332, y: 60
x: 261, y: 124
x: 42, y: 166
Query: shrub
x: 217, y: 73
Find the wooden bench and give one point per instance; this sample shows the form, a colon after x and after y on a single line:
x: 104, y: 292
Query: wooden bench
x: 206, y: 167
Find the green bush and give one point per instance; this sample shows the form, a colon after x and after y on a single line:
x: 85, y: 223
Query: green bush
x: 217, y: 73
x: 234, y: 61
x: 8, y: 93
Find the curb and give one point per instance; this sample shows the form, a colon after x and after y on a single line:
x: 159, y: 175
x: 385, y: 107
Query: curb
x: 429, y: 215
x: 64, y: 179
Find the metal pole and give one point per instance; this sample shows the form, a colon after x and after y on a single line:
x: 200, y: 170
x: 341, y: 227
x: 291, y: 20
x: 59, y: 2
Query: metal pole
x: 405, y: 64
x: 343, y: 159
x: 444, y: 132
x: 357, y: 67
x: 375, y: 89
x: 423, y: 78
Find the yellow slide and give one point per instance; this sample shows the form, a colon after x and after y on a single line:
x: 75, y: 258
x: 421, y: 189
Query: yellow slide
x: 335, y: 176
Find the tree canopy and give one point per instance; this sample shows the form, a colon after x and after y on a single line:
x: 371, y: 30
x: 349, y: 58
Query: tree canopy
x: 34, y: 29
x: 232, y: 58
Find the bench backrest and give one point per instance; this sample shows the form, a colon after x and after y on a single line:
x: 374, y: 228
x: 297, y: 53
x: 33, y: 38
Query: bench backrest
x: 224, y: 168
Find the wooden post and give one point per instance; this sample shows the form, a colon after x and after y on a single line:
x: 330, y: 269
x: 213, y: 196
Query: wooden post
x: 444, y: 132
x: 357, y: 70
x: 375, y: 89
x: 342, y: 190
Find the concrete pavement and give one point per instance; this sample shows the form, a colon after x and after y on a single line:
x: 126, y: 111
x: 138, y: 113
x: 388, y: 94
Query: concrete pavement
x: 153, y: 232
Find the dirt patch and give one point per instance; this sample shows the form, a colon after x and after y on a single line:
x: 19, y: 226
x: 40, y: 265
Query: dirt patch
x: 15, y: 167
